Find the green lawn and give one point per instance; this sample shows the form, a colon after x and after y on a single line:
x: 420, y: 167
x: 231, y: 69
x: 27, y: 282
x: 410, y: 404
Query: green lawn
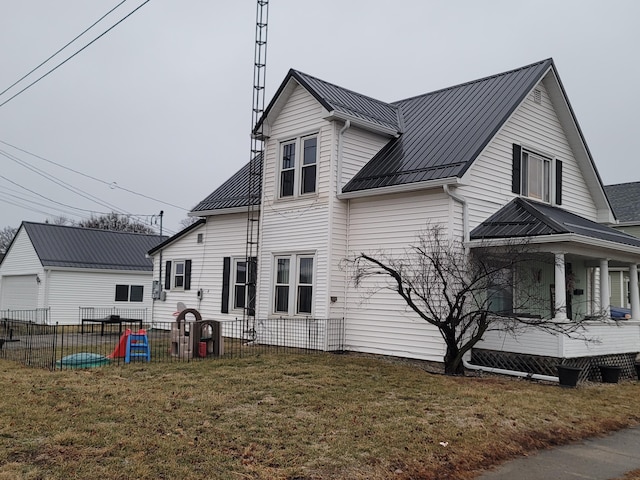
x: 286, y: 417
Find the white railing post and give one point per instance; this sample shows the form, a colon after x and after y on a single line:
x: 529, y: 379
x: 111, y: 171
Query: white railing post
x: 634, y: 293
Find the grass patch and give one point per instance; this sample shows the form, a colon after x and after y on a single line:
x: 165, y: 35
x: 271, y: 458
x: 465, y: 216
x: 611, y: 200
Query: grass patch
x: 286, y: 417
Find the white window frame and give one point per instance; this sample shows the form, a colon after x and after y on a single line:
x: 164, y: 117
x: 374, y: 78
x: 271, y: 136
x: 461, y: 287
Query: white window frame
x: 546, y: 175
x: 235, y: 283
x: 293, y: 284
x: 299, y: 167
x: 175, y: 275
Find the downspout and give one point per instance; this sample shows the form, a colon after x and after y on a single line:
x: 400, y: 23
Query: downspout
x: 346, y: 127
x: 465, y: 213
x: 513, y: 373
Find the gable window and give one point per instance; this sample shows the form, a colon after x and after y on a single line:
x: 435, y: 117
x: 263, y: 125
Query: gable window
x: 533, y: 175
x: 298, y: 176
x: 129, y: 293
x: 293, y: 286
x: 177, y: 275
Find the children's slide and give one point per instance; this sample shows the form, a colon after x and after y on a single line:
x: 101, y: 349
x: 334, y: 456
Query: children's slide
x: 121, y: 349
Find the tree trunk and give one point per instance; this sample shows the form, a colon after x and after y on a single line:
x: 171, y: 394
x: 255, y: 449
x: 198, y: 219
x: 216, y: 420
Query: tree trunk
x: 453, y: 359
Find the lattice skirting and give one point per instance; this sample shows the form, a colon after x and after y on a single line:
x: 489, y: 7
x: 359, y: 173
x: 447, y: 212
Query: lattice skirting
x: 547, y: 365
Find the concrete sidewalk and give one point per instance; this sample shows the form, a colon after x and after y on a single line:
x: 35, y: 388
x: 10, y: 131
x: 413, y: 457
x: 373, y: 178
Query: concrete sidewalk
x: 593, y: 459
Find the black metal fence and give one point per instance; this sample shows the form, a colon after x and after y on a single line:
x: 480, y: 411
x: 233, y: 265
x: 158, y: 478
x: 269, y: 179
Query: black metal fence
x: 38, y: 315
x: 82, y: 346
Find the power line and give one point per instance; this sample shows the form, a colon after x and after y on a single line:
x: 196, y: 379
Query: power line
x: 57, y: 52
x: 110, y: 184
x: 76, y: 53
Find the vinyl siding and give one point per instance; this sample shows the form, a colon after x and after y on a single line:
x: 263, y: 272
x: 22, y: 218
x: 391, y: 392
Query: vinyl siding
x: 70, y: 289
x: 21, y: 260
x: 381, y: 323
x: 488, y: 182
x: 358, y: 147
x: 298, y: 225
x: 223, y: 236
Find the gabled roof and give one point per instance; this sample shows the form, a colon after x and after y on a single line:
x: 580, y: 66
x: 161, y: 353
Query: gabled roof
x: 62, y: 246
x: 444, y: 131
x: 625, y: 201
x: 234, y: 193
x: 341, y: 103
x: 525, y: 218
x: 178, y: 235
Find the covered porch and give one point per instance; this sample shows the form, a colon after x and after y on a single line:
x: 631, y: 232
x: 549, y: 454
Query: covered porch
x: 573, y: 288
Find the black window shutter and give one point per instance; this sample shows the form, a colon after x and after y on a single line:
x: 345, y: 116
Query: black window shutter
x: 253, y: 278
x: 558, y: 182
x: 226, y: 274
x: 187, y: 274
x: 167, y: 278
x: 515, y: 176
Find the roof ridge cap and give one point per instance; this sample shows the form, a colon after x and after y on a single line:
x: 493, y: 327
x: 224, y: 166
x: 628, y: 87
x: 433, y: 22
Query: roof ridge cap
x: 483, y: 79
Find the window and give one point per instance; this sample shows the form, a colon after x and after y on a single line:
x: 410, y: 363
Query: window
x: 535, y: 176
x: 200, y: 238
x: 298, y: 177
x: 129, y: 293
x: 177, y: 275
x: 239, y: 284
x: 500, y: 293
x: 293, y: 290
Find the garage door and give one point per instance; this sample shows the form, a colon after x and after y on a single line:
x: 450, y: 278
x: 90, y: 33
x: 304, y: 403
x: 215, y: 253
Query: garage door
x: 19, y: 292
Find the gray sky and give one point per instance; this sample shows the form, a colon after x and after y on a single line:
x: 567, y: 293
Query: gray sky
x: 161, y: 105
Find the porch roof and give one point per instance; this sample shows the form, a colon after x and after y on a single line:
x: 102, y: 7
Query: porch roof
x: 523, y: 217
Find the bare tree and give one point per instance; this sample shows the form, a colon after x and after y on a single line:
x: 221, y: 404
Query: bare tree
x: 464, y: 294
x: 61, y: 220
x: 116, y: 222
x: 6, y: 236
x: 187, y: 222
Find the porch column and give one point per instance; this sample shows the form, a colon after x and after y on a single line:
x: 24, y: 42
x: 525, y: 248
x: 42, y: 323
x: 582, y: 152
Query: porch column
x: 604, y: 288
x: 561, y: 291
x: 633, y: 292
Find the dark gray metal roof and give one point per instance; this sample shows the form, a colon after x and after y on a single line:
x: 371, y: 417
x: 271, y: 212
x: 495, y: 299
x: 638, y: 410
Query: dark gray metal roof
x: 178, y: 235
x: 338, y: 99
x: 62, y: 246
x: 444, y: 131
x: 525, y: 218
x: 625, y: 201
x: 234, y: 192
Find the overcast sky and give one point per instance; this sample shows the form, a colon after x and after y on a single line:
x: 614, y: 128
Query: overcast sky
x: 161, y: 105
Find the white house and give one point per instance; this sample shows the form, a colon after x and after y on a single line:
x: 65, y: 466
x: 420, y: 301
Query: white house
x: 343, y: 173
x: 63, y: 268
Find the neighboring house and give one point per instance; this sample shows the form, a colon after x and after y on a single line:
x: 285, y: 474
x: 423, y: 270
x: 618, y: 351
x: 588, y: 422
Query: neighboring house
x: 625, y: 202
x: 63, y: 268
x: 343, y: 173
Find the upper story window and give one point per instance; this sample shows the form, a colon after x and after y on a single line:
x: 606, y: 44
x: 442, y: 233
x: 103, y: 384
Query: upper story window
x: 298, y: 176
x: 536, y: 176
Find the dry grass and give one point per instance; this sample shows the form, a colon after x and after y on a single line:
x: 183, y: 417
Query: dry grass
x: 290, y: 417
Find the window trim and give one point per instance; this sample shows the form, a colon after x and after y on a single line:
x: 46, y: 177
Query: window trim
x: 299, y: 168
x: 129, y: 289
x: 175, y: 274
x: 234, y: 283
x: 293, y: 284
x: 554, y: 174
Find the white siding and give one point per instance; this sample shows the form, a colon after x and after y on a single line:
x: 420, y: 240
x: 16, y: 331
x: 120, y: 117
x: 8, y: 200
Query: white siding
x: 381, y: 323
x: 358, y: 147
x: 19, y: 292
x: 296, y: 225
x: 534, y: 126
x: 22, y: 260
x: 223, y: 236
x: 70, y: 289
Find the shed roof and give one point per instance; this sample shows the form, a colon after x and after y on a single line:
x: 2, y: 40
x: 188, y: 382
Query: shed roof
x: 625, y: 201
x: 445, y: 130
x: 523, y: 217
x: 63, y: 246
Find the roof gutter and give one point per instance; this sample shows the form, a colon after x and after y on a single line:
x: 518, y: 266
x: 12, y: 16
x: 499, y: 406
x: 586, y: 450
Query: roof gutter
x: 220, y: 211
x: 513, y: 373
x: 406, y: 187
x: 374, y: 127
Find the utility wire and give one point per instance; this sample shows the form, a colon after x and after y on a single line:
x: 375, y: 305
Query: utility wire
x: 110, y: 184
x: 83, y: 48
x: 85, y: 31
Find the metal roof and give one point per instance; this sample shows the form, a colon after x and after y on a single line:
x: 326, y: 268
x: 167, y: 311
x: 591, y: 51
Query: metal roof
x: 444, y: 131
x: 625, y: 200
x: 525, y: 218
x: 233, y: 193
x: 338, y: 99
x: 62, y: 246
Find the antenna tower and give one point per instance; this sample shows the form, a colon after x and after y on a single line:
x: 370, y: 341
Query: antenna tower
x: 255, y: 166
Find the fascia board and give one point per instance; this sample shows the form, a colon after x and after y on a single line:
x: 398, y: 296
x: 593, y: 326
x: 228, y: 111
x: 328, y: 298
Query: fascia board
x: 358, y: 122
x: 407, y: 187
x: 148, y: 272
x: 221, y: 211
